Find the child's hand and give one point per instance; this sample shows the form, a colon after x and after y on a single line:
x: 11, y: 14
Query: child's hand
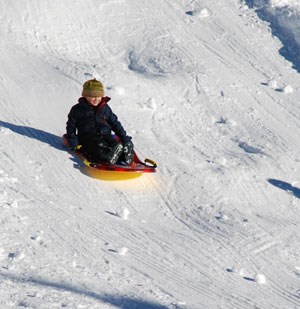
x: 72, y: 142
x: 129, y: 144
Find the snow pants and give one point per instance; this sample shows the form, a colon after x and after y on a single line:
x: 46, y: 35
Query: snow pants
x: 98, y: 148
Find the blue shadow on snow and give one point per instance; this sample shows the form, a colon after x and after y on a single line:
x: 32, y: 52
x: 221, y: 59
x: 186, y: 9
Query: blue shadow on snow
x: 40, y: 135
x: 123, y: 302
x: 291, y: 49
x: 285, y: 186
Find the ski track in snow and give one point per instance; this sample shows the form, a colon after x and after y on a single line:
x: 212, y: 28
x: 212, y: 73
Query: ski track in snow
x: 200, y: 87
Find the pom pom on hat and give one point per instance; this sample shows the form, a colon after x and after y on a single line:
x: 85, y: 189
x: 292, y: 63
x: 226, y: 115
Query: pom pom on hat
x: 92, y: 88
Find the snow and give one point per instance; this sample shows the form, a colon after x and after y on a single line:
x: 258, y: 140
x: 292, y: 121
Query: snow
x: 260, y: 279
x: 209, y: 90
x: 283, y: 3
x: 124, y: 213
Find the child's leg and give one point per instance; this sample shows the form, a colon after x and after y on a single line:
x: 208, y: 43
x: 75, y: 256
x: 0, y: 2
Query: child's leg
x: 116, y: 149
x: 115, y: 153
x: 110, y: 140
x: 128, y: 152
x: 103, y: 149
x: 96, y: 148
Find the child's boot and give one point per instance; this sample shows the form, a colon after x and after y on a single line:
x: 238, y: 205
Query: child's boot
x: 128, y: 152
x: 115, y: 153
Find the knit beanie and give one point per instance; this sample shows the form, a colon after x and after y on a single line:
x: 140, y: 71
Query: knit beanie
x: 92, y: 88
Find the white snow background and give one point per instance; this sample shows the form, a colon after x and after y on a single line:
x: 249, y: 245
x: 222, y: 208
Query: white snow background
x: 208, y: 89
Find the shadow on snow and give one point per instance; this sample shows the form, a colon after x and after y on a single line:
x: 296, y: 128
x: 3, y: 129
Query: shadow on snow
x: 123, y: 302
x: 40, y: 135
x: 285, y: 186
x: 290, y: 50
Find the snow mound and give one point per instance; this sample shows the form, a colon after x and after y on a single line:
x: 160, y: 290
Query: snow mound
x: 260, y: 279
x: 284, y: 19
x: 158, y: 59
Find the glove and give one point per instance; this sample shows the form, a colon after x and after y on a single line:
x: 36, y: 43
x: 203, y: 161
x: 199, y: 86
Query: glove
x: 128, y: 145
x: 72, y: 142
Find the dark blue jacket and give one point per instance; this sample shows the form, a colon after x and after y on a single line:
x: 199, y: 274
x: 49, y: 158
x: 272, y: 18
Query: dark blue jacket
x: 89, y: 121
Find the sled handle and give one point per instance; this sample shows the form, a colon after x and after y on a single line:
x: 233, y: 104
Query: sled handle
x: 153, y: 163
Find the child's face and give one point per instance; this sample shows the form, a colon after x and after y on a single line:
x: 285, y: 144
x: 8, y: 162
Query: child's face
x: 94, y: 101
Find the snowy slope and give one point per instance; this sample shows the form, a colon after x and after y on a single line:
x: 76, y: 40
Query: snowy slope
x: 204, y: 90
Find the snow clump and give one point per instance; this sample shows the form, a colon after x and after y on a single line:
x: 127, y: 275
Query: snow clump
x: 260, y: 279
x: 123, y: 251
x: 124, y: 213
x: 287, y: 89
x: 204, y: 13
x: 273, y: 83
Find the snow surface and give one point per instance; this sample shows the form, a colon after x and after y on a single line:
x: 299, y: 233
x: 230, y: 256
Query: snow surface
x: 205, y: 90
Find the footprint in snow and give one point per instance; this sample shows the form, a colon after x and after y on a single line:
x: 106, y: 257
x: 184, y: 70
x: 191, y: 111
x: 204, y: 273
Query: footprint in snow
x: 258, y: 278
x: 249, y: 149
x: 273, y: 84
x: 222, y: 217
x: 149, y: 104
x: 226, y: 121
x: 37, y: 166
x: 13, y: 256
x: 38, y: 238
x: 122, y: 251
x: 201, y: 13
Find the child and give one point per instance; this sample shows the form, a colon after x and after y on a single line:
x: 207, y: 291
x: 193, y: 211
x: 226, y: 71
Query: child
x: 93, y: 120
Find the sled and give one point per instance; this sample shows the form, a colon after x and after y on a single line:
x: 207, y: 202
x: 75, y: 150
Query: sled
x: 119, y: 171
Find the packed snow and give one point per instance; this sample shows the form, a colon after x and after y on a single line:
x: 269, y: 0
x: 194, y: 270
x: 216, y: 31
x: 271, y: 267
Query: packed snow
x: 209, y: 90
